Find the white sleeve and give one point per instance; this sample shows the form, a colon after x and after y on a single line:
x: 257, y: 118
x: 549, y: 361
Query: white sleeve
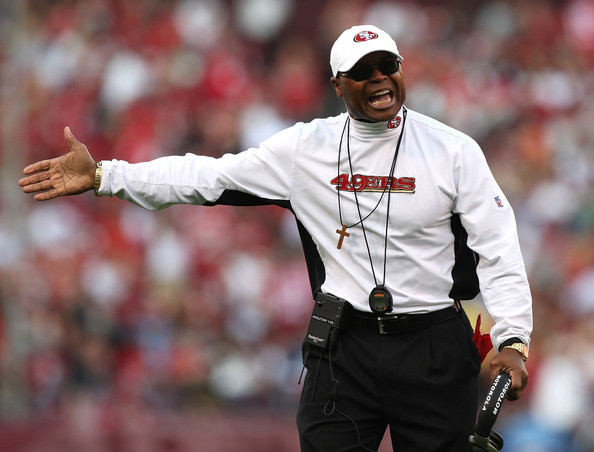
x: 264, y: 172
x: 489, y: 220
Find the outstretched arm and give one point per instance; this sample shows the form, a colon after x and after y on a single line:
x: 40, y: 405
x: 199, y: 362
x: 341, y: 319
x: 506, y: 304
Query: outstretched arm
x: 70, y: 174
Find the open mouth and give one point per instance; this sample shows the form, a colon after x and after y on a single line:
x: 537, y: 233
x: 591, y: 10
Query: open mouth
x: 380, y: 98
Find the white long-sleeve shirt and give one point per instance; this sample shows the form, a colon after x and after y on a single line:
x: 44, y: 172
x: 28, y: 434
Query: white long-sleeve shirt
x: 439, y: 172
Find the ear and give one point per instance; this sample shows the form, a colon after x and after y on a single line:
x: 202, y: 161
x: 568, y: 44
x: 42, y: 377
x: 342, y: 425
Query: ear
x: 337, y: 86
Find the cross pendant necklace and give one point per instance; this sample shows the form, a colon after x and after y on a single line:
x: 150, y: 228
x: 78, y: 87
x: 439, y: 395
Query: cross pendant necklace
x: 343, y: 233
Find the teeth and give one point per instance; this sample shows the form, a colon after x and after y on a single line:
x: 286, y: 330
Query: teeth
x: 374, y: 97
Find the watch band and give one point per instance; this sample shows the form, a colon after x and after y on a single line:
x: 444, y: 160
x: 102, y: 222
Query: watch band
x: 519, y: 347
x: 98, y: 175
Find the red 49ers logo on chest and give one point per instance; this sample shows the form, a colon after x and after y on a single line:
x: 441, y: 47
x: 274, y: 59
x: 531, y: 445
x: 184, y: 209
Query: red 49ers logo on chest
x: 361, y: 182
x: 394, y: 123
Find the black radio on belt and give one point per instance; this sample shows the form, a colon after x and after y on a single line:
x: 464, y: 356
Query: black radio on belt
x: 329, y: 315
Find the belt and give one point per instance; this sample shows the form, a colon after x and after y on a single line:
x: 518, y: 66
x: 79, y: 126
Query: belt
x: 395, y: 324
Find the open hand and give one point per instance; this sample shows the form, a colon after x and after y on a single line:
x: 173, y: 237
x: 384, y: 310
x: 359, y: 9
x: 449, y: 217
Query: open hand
x: 69, y: 174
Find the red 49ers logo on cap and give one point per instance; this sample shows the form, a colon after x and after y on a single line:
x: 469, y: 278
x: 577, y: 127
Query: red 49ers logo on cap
x: 365, y: 36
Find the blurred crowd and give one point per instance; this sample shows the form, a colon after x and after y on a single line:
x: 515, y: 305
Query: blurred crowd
x: 109, y: 312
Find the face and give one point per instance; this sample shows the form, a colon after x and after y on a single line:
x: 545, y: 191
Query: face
x: 376, y: 99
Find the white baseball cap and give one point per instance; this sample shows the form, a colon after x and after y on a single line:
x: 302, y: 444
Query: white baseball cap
x: 356, y: 42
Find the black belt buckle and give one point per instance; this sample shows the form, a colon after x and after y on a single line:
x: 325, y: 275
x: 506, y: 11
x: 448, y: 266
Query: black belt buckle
x: 397, y: 322
x: 380, y: 321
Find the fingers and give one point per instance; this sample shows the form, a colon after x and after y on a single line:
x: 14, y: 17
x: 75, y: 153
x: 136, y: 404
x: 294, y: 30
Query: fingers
x: 514, y: 391
x: 34, y: 178
x: 46, y: 195
x: 42, y: 165
x: 40, y: 186
x: 36, y: 182
x: 516, y: 387
x: 519, y: 382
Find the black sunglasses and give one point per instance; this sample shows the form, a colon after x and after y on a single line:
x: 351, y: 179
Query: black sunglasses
x: 363, y: 71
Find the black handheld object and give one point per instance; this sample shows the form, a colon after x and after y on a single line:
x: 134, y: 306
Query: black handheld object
x: 485, y: 439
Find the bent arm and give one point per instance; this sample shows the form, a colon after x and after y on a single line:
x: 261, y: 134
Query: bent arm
x: 489, y: 220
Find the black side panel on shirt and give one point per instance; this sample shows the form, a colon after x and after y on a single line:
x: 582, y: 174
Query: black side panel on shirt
x: 315, y: 266
x: 466, y: 284
x: 238, y: 198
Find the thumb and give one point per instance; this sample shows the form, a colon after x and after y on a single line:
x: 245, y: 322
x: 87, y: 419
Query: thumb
x: 71, y: 141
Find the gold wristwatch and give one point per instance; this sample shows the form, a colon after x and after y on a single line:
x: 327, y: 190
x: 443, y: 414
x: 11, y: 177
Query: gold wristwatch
x: 521, y: 348
x: 98, y: 175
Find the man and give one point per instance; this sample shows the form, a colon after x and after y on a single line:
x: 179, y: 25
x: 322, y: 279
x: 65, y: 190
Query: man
x: 376, y: 193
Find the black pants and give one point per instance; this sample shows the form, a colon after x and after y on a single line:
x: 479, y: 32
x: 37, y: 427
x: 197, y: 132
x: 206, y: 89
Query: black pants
x: 423, y: 384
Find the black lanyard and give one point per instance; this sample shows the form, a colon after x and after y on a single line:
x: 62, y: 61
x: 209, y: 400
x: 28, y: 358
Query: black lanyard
x: 380, y: 298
